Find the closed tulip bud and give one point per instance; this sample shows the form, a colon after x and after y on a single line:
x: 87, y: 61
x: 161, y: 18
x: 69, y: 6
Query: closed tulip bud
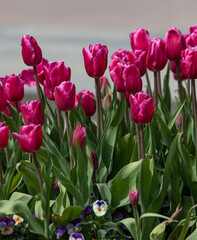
x: 80, y: 135
x: 14, y: 87
x: 29, y: 137
x: 106, y: 102
x: 134, y: 197
x: 95, y: 60
x: 142, y: 107
x: 188, y: 64
x: 178, y: 121
x: 140, y: 39
x: 104, y: 84
x: 175, y: 43
x: 56, y: 73
x: 94, y: 160
x: 65, y: 96
x: 88, y: 102
x: 31, y: 52
x: 3, y: 97
x: 5, y: 134
x: 156, y: 56
x: 138, y: 57
x: 32, y: 112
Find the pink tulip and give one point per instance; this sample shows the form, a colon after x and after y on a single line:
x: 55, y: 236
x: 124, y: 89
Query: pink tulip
x: 120, y: 53
x: 65, y: 96
x: 134, y: 197
x: 142, y: 107
x: 104, y: 83
x: 95, y: 60
x: 4, y: 133
x: 88, y: 102
x: 138, y: 57
x: 32, y: 112
x: 55, y: 74
x: 178, y: 121
x: 27, y: 76
x: 29, y: 137
x: 156, y: 56
x: 188, y: 64
x: 14, y: 87
x: 191, y: 39
x: 7, y: 110
x: 175, y: 43
x: 31, y: 52
x: 140, y: 39
x: 3, y: 101
x: 80, y: 135
x: 40, y: 70
x: 106, y: 101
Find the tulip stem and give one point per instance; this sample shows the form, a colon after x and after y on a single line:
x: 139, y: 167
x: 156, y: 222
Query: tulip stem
x: 181, y: 100
x: 6, y: 148
x: 59, y: 120
x: 37, y: 170
x: 155, y: 90
x: 188, y: 88
x: 1, y: 179
x: 37, y: 84
x: 126, y: 116
x: 90, y: 123
x: 98, y: 107
x: 148, y: 84
x: 68, y: 137
x: 138, y: 140
x: 142, y: 142
x: 194, y: 104
x: 159, y: 83
x: 135, y: 215
x: 17, y: 108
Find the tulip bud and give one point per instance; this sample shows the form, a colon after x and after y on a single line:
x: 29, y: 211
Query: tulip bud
x: 7, y: 110
x: 40, y: 70
x: 140, y: 39
x: 156, y: 55
x: 188, y: 64
x: 178, y: 121
x: 4, y: 133
x: 14, y: 87
x: 31, y: 52
x: 95, y: 60
x: 94, y: 160
x: 65, y: 96
x: 104, y: 83
x: 32, y: 112
x: 175, y: 43
x: 29, y: 137
x: 3, y: 101
x: 80, y: 135
x: 132, y: 78
x: 88, y: 102
x: 106, y: 101
x: 134, y: 197
x: 142, y: 107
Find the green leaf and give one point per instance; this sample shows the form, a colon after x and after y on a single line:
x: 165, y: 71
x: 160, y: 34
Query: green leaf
x: 131, y: 226
x: 104, y: 192
x: 122, y: 183
x: 174, y: 117
x: 165, y: 132
x: 16, y: 181
x: 22, y: 197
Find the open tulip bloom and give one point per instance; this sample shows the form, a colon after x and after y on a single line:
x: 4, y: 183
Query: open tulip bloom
x: 129, y: 172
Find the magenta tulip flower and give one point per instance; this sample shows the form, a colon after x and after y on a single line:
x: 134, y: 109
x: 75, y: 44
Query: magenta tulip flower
x: 138, y: 57
x: 56, y: 73
x: 134, y: 197
x: 65, y: 96
x: 5, y: 134
x: 95, y: 60
x: 104, y: 83
x: 142, y: 107
x: 32, y: 112
x: 120, y: 53
x: 31, y: 52
x: 3, y: 101
x: 14, y: 87
x: 29, y: 137
x: 40, y: 70
x: 7, y: 110
x: 156, y: 56
x: 88, y: 102
x: 175, y: 43
x: 140, y: 39
x: 80, y: 135
x: 188, y: 64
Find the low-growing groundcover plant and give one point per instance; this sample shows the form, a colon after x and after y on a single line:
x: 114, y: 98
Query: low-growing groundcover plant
x: 113, y: 164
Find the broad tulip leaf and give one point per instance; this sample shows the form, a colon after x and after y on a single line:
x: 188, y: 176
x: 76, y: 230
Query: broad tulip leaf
x: 131, y: 226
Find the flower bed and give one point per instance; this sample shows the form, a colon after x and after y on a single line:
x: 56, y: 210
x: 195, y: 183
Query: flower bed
x: 129, y: 172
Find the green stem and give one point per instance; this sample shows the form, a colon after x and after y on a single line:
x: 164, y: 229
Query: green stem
x: 148, y: 84
x: 1, y: 177
x: 135, y: 216
x: 181, y: 100
x: 37, y: 170
x: 188, y: 88
x: 142, y: 142
x: 194, y: 104
x: 59, y: 120
x: 68, y: 137
x: 159, y: 83
x: 126, y: 116
x: 6, y: 148
x: 155, y: 90
x: 37, y: 84
x: 138, y: 141
x: 98, y: 108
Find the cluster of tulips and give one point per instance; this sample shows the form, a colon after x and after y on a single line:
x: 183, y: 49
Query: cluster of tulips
x: 53, y: 83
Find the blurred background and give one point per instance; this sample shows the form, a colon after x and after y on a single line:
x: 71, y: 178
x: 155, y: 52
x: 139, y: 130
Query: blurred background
x: 63, y: 27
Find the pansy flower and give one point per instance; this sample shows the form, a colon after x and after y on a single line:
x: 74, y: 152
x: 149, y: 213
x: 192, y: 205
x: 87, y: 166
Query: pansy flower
x: 60, y: 231
x: 76, y: 236
x: 100, y: 208
x: 86, y: 211
x: 74, y: 226
x: 6, y: 225
x: 17, y: 219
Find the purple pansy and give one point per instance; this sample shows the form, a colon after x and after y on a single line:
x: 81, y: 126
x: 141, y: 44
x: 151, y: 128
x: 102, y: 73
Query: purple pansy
x: 76, y: 236
x: 7, y: 225
x: 60, y: 231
